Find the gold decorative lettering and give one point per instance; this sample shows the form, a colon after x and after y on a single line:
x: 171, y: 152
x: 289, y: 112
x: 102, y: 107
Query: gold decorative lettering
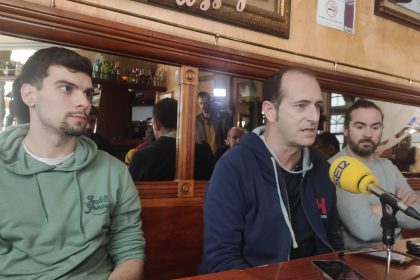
x: 241, y: 5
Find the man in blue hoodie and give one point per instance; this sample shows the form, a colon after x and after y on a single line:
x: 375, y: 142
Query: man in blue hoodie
x: 68, y: 210
x: 269, y: 198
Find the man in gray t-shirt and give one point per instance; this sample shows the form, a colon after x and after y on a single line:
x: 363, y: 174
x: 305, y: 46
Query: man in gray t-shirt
x: 359, y: 213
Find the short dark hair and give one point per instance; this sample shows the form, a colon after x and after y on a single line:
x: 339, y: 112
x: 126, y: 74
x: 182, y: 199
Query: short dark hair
x: 166, y: 111
x: 20, y: 109
x: 327, y: 138
x: 202, y: 94
x: 36, y: 67
x: 272, y: 89
x: 360, y: 103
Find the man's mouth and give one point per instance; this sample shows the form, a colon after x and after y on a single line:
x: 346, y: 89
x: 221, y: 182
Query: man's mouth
x: 80, y: 116
x: 366, y: 142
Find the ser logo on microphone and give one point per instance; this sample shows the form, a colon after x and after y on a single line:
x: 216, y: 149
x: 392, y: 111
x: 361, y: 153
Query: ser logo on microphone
x: 339, y: 171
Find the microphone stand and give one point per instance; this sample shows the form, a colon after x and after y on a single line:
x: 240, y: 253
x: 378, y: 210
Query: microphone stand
x: 388, y: 224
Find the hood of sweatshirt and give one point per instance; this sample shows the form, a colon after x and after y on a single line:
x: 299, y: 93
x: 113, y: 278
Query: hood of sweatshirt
x: 263, y: 152
x: 17, y: 161
x: 256, y: 143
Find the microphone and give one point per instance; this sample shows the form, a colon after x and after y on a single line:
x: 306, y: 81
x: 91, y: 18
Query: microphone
x: 353, y: 176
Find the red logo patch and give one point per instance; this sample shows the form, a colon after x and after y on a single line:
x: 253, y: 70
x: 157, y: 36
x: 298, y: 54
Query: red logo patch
x: 320, y: 203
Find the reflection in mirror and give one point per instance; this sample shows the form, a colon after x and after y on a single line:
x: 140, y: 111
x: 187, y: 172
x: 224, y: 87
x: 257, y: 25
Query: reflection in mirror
x: 248, y: 95
x: 227, y: 107
x: 401, y: 134
x: 126, y: 90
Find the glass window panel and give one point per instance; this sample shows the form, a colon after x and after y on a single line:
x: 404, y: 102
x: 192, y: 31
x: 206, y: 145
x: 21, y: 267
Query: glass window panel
x: 337, y: 100
x: 340, y: 138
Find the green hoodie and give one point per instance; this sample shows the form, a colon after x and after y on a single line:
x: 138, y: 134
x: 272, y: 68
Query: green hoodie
x: 75, y: 220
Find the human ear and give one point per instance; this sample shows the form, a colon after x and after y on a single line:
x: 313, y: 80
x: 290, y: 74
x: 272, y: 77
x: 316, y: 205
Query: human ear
x: 270, y: 111
x: 27, y: 92
x: 346, y: 132
x: 156, y: 124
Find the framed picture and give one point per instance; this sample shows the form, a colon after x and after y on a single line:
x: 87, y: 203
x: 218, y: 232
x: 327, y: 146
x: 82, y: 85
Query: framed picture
x: 404, y: 12
x: 266, y: 16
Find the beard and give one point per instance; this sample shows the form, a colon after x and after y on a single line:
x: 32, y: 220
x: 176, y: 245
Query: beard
x: 76, y: 130
x: 359, y: 150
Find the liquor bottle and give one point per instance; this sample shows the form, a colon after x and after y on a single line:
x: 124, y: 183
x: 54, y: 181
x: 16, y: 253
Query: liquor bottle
x: 97, y: 66
x: 106, y: 70
x: 117, y: 71
x: 143, y: 77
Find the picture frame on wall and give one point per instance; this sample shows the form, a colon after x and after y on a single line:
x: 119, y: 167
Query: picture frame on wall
x: 267, y: 16
x: 399, y: 11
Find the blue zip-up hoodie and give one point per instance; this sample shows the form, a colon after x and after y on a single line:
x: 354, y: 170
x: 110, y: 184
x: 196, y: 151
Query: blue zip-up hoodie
x: 246, y: 220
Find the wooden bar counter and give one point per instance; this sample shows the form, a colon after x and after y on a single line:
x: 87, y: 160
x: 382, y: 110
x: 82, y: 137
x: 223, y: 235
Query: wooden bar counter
x: 369, y: 267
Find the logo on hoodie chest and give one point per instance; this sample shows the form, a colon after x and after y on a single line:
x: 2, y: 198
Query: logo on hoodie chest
x: 97, y: 206
x: 320, y: 203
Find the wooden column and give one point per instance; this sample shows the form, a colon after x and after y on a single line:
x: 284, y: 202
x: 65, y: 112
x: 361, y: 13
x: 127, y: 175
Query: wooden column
x: 186, y: 131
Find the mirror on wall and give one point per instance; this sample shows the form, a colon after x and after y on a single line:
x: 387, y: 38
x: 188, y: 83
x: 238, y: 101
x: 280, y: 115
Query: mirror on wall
x: 236, y: 102
x: 401, y: 134
x: 126, y: 90
x: 227, y: 107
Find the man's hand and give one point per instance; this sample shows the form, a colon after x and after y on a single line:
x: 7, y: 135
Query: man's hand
x: 409, y: 197
x: 376, y: 209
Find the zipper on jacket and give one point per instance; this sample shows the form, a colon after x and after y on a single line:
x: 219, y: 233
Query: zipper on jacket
x: 288, y: 211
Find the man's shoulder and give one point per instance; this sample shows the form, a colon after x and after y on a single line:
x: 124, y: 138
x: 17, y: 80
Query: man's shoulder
x: 341, y: 153
x: 249, y: 151
x: 161, y: 145
x: 383, y: 162
x: 103, y: 156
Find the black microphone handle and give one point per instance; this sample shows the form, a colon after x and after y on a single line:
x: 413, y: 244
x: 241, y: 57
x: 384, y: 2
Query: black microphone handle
x: 396, y: 202
x: 410, y: 211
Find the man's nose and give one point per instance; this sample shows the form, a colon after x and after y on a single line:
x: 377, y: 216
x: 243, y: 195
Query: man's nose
x: 313, y: 114
x: 82, y: 99
x: 368, y: 132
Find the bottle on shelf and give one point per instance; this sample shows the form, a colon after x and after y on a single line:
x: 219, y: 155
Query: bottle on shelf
x: 97, y: 67
x: 117, y: 73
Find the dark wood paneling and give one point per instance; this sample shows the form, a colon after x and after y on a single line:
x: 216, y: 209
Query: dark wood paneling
x: 414, y: 183
x: 115, y: 112
x: 174, y: 241
x: 157, y: 190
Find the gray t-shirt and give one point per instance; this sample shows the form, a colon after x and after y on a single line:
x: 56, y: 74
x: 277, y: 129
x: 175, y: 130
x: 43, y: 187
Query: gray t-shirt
x: 361, y: 227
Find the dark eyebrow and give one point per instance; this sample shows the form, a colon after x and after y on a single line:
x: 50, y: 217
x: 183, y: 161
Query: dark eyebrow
x: 376, y: 123
x: 302, y: 101
x: 65, y: 82
x: 88, y: 90
x: 362, y: 123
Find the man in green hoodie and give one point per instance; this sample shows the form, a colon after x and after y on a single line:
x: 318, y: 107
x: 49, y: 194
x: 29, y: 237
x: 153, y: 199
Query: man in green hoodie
x: 68, y: 211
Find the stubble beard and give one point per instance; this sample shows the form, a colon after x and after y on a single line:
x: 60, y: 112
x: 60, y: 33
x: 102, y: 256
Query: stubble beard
x: 361, y: 151
x: 76, y: 130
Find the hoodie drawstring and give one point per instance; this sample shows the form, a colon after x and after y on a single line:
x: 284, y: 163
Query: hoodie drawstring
x: 41, y: 198
x: 79, y: 195
x: 283, y: 207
